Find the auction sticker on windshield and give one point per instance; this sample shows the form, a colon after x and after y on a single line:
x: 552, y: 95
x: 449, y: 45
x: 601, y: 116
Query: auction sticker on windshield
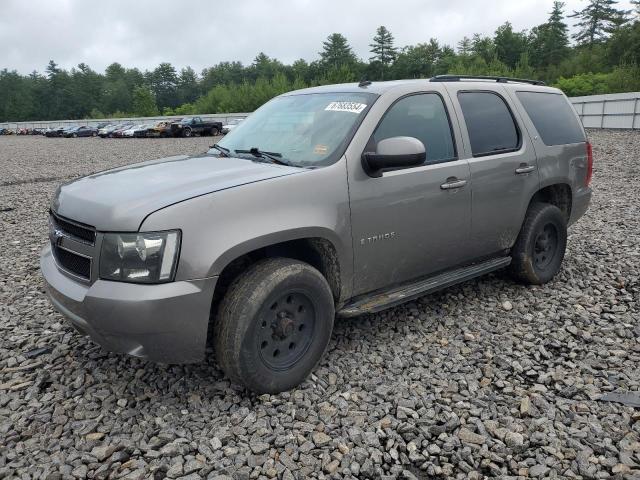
x: 353, y: 107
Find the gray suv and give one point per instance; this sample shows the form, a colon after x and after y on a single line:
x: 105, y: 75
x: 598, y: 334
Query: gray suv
x: 335, y: 200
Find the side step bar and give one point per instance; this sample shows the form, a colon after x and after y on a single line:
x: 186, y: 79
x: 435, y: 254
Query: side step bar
x: 404, y: 293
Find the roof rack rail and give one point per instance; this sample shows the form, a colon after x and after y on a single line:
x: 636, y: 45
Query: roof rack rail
x: 457, y: 78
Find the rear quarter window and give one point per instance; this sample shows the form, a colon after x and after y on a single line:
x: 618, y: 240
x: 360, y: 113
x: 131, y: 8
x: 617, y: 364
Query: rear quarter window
x: 553, y: 117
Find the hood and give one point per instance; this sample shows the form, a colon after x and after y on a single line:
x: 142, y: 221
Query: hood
x: 120, y: 199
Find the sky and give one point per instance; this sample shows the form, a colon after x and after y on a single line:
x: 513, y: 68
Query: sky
x: 201, y: 33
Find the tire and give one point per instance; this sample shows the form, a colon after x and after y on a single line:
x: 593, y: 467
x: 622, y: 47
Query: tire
x: 215, y: 132
x: 75, y: 135
x: 186, y: 132
x: 274, y: 325
x: 539, y: 250
x: 93, y: 134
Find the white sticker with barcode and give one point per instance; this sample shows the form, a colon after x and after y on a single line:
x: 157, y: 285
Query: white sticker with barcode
x: 353, y: 107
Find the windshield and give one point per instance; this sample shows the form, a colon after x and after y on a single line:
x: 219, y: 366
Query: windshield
x: 306, y: 129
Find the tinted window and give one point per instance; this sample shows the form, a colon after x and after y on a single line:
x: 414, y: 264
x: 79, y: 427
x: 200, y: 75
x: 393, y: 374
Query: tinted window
x: 553, y: 117
x: 423, y: 117
x: 489, y: 123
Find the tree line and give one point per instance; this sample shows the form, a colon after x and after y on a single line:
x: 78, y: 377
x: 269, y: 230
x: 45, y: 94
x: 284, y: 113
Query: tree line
x: 603, y: 56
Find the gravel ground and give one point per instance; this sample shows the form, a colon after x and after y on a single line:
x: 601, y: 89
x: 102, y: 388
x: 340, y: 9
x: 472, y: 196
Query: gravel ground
x: 486, y: 379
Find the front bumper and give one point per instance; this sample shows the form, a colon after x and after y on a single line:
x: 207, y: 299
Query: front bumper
x: 163, y: 323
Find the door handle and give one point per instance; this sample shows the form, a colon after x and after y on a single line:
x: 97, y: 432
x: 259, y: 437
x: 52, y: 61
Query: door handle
x: 454, y: 183
x: 525, y: 169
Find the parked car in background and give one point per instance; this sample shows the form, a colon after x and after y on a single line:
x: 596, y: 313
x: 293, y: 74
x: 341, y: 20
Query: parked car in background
x: 107, y: 131
x: 6, y: 131
x: 231, y: 124
x: 188, y: 127
x: 161, y: 129
x: 137, y: 131
x: 55, y: 131
x: 83, y: 131
x: 120, y: 129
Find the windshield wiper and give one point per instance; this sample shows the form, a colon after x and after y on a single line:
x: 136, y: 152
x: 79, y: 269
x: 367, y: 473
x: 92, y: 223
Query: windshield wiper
x: 224, y: 151
x: 274, y: 157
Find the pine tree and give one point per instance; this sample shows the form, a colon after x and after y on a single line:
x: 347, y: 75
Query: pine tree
x: 383, y: 49
x: 597, y: 20
x: 464, y: 46
x: 550, y: 41
x: 336, y: 52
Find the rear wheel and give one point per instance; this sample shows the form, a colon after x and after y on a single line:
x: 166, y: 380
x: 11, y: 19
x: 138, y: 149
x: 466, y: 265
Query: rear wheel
x: 215, y: 132
x: 539, y: 250
x: 274, y: 325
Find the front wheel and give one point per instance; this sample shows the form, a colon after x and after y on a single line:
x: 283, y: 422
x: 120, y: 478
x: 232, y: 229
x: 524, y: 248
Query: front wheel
x: 215, y: 132
x: 186, y: 132
x: 541, y: 244
x: 274, y: 324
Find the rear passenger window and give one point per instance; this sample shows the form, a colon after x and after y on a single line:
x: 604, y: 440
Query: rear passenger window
x: 424, y: 117
x: 489, y: 122
x: 553, y: 117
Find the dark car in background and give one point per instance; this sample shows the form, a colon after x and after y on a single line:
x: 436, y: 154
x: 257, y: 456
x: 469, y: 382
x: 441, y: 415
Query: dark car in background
x: 56, y: 131
x: 188, y: 127
x: 82, y: 131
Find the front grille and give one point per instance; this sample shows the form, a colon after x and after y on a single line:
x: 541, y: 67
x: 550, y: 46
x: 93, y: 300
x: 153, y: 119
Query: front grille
x: 82, y: 233
x: 72, y: 262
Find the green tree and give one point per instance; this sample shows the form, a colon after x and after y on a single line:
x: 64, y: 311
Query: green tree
x: 163, y: 81
x: 417, y: 61
x: 144, y: 104
x: 597, y: 21
x: 550, y: 42
x: 336, y: 52
x: 383, y: 49
x: 510, y: 45
x: 188, y: 87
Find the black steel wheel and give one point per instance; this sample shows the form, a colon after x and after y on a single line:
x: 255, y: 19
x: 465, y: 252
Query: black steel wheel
x: 539, y: 250
x: 274, y: 324
x: 286, y: 330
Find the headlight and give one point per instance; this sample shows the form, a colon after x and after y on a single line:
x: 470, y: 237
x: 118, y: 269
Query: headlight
x: 148, y: 257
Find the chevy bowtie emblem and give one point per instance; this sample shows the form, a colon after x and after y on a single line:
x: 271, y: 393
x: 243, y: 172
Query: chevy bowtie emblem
x: 56, y: 236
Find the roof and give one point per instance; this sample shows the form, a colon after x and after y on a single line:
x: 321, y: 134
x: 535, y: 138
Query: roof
x: 380, y: 88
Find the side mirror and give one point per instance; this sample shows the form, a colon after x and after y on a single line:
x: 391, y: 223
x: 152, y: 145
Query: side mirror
x: 393, y: 154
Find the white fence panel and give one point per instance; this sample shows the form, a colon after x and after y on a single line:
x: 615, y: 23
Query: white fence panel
x: 614, y: 110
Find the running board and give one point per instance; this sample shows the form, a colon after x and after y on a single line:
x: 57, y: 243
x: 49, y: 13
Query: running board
x: 404, y: 293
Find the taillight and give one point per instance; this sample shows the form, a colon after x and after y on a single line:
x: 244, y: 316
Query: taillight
x: 587, y: 181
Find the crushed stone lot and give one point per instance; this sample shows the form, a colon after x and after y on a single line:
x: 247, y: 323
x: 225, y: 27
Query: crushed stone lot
x: 485, y: 379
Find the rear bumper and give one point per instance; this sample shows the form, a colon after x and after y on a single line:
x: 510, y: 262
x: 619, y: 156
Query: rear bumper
x: 580, y: 204
x: 163, y: 323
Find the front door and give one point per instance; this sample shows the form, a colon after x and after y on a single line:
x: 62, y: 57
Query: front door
x: 413, y: 222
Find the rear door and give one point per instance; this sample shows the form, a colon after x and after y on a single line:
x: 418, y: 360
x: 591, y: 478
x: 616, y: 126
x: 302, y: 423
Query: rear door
x: 502, y: 162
